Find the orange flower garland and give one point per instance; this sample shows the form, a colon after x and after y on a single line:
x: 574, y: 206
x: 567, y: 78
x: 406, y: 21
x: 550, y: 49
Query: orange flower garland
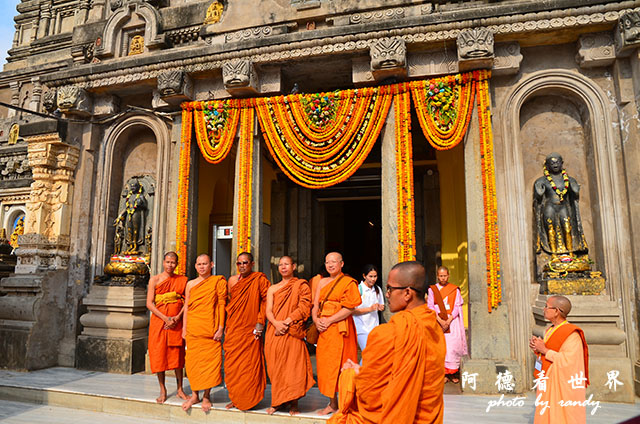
x: 404, y: 175
x: 245, y: 177
x: 183, y: 189
x: 444, y: 107
x: 317, y: 156
x: 216, y: 123
x: 494, y: 289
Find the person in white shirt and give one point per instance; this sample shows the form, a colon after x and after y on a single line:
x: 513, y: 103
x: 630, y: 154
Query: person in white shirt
x: 365, y: 316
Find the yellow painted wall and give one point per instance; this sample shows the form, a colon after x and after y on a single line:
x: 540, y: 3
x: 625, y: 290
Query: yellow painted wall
x: 453, y: 216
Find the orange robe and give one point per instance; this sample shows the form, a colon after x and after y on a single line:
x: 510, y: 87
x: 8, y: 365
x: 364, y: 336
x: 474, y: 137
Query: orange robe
x: 566, y: 359
x: 402, y: 375
x: 287, y: 357
x: 339, y: 342
x: 244, y: 356
x: 166, y: 348
x: 205, y: 313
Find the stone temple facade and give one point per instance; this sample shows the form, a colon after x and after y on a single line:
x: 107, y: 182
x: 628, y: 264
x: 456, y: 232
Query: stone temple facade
x: 95, y: 89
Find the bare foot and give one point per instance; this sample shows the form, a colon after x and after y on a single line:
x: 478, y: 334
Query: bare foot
x: 230, y: 405
x: 181, y: 394
x: 206, y: 404
x: 271, y: 410
x: 293, y: 408
x: 189, y: 403
x: 163, y: 395
x: 455, y: 380
x: 328, y: 410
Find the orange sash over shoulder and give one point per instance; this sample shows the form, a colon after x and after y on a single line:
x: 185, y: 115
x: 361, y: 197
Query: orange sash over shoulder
x: 402, y: 375
x: 555, y: 343
x: 244, y: 357
x: 339, y: 342
x: 205, y: 313
x: 288, y: 361
x: 166, y: 350
x: 449, y: 292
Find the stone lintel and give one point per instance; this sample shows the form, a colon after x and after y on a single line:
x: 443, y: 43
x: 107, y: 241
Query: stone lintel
x: 595, y: 50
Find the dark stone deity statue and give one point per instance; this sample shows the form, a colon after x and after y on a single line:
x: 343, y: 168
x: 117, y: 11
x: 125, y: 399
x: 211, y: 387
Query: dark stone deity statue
x: 130, y: 224
x: 560, y: 244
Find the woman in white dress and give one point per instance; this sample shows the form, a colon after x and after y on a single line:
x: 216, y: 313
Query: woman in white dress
x: 365, y: 316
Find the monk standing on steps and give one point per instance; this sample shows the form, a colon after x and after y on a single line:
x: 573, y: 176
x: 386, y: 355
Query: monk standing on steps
x: 244, y: 355
x: 203, y: 329
x: 562, y: 367
x: 335, y: 299
x: 401, y: 380
x: 288, y: 362
x: 165, y: 300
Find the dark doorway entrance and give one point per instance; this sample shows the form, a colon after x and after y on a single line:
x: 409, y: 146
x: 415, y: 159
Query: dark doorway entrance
x: 353, y: 228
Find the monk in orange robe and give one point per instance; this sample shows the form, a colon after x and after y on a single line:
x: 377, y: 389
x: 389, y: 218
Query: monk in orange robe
x: 562, y: 367
x: 336, y: 298
x: 203, y: 328
x: 244, y: 356
x: 165, y: 300
x: 401, y: 379
x: 288, y: 362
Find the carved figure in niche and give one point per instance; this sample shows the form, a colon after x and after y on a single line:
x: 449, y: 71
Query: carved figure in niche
x: 388, y: 53
x: 18, y: 230
x: 557, y: 214
x: 137, y: 45
x: 236, y: 73
x: 214, y: 13
x: 475, y: 43
x: 130, y: 224
x: 630, y: 27
x: 13, y: 134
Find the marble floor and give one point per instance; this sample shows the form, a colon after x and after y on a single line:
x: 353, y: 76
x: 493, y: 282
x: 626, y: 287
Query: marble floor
x: 143, y: 388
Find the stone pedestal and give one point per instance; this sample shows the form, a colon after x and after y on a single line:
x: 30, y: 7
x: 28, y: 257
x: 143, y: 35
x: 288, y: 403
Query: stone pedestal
x: 114, y: 338
x: 601, y: 320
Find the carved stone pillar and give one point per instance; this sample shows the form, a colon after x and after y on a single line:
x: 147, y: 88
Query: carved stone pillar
x: 36, y: 95
x: 15, y: 97
x: 45, y: 18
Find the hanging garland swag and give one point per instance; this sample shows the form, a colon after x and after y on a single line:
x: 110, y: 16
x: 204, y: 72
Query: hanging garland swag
x: 319, y: 140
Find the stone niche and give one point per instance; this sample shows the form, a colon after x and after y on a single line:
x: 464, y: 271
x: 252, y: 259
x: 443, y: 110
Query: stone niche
x: 114, y: 335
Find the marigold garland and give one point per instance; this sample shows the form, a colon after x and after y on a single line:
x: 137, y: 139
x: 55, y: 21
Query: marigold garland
x: 444, y: 107
x: 494, y: 289
x: 404, y: 176
x: 245, y: 177
x: 182, y: 211
x: 216, y: 123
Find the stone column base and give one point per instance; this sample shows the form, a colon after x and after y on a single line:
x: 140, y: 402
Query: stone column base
x: 114, y: 337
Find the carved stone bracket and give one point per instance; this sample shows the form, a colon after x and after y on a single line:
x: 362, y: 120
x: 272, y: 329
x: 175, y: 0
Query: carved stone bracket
x: 475, y: 49
x: 175, y: 86
x: 507, y: 59
x: 106, y: 104
x: 45, y: 243
x: 240, y: 77
x: 627, y: 33
x: 74, y: 100
x: 388, y: 58
x: 595, y: 50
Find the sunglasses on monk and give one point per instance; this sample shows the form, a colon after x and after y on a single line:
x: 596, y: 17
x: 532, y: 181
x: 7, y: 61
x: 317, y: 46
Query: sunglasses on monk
x: 242, y: 263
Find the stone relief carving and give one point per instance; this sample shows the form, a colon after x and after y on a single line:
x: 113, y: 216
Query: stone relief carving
x: 73, y: 99
x: 105, y: 104
x: 508, y: 58
x: 239, y: 76
x: 248, y: 34
x: 50, y: 100
x: 426, y: 64
x: 214, y: 13
x: 380, y: 15
x: 595, y: 50
x: 475, y: 49
x: 627, y: 33
x: 388, y: 53
x: 14, y: 167
x: 136, y: 46
x: 175, y: 86
x: 183, y: 35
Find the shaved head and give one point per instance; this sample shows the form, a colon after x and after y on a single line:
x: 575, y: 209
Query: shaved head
x: 247, y: 254
x: 411, y: 274
x: 203, y: 256
x: 173, y: 255
x: 562, y: 303
x: 287, y: 257
x: 335, y: 256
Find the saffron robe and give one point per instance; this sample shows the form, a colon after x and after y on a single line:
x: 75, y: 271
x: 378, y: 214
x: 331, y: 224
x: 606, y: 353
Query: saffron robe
x: 402, y: 375
x: 569, y: 361
x: 339, y: 342
x: 456, y: 338
x: 205, y: 313
x: 166, y: 347
x: 288, y: 362
x: 244, y: 356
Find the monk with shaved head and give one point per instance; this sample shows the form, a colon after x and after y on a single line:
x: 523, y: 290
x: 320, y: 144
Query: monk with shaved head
x: 562, y: 367
x: 205, y: 301
x: 401, y: 379
x: 333, y: 304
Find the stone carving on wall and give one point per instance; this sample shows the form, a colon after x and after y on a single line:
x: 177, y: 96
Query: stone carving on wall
x: 136, y: 46
x: 50, y: 100
x: 595, y: 50
x: 438, y: 62
x: 14, y: 167
x: 74, y: 100
x: 508, y: 58
x: 388, y: 57
x: 627, y: 33
x: 105, y: 104
x: 475, y: 49
x: 45, y: 244
x: 175, y: 86
x: 239, y: 77
x: 129, y: 264
x: 13, y: 134
x: 214, y: 13
x: 560, y: 244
